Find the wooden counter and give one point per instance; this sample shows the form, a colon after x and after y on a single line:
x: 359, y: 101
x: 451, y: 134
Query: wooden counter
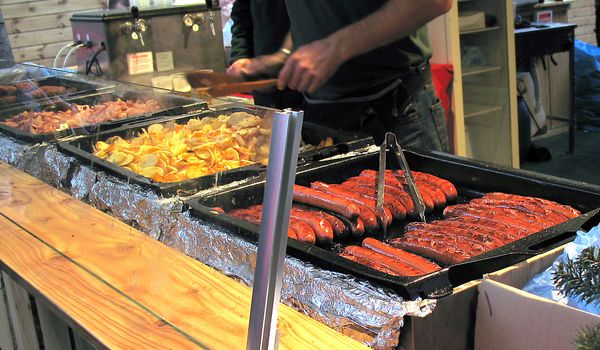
x: 122, y: 289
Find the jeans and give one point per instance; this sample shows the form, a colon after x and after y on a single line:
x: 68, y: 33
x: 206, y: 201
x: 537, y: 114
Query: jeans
x: 412, y: 111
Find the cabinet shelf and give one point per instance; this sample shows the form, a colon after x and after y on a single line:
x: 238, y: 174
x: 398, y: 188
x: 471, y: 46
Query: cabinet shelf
x: 476, y: 109
x: 467, y: 72
x: 482, y: 30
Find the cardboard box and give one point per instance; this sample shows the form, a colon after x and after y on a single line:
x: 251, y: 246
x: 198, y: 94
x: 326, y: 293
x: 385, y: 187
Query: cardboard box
x: 449, y: 327
x: 509, y: 318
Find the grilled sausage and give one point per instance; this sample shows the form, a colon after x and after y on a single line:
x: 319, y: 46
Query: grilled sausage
x: 415, y: 261
x: 321, y: 227
x: 497, y: 236
x: 564, y: 209
x: 508, y: 216
x: 438, y: 197
x: 526, y: 207
x: 443, y: 184
x: 489, y: 241
x: 435, y: 250
x: 370, y: 204
x: 465, y: 244
x: 394, y: 206
x: 253, y: 216
x: 398, y: 193
x: 341, y: 231
x: 8, y: 99
x: 7, y: 90
x: 513, y: 232
x: 303, y: 231
x: 372, y: 264
x: 326, y: 201
x: 400, y: 268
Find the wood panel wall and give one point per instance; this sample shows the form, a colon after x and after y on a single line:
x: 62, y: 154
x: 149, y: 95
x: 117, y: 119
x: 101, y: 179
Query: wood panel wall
x: 37, y: 29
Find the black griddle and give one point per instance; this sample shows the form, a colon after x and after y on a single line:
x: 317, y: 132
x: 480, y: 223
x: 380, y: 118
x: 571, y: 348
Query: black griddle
x: 82, y: 148
x: 171, y: 105
x: 472, y: 180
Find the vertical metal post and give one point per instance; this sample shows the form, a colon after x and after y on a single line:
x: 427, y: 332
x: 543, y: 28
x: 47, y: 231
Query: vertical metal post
x: 277, y: 202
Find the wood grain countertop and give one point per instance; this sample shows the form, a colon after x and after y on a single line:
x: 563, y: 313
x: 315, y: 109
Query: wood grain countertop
x: 123, y: 289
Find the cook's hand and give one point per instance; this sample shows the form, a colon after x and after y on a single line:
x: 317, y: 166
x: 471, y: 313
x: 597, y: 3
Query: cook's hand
x: 237, y: 68
x: 310, y: 66
x: 268, y: 65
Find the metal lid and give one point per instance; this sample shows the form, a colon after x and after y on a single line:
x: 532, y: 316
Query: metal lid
x: 120, y: 14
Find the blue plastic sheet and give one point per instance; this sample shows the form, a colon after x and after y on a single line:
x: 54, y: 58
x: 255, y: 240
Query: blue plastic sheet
x: 542, y: 284
x: 587, y: 84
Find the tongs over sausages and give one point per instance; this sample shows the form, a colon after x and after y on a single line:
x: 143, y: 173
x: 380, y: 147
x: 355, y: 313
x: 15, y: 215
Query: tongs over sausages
x: 391, y: 142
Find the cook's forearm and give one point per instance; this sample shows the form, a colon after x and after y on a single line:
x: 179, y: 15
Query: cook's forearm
x: 395, y: 20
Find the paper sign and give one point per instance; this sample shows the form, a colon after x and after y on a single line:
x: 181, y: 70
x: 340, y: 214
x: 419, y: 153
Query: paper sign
x: 164, y: 61
x: 543, y: 16
x: 140, y: 63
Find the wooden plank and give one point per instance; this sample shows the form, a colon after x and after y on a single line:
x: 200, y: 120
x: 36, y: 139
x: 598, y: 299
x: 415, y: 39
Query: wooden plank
x: 88, y: 304
x: 29, y: 24
x: 55, y: 332
x: 39, y: 52
x: 46, y: 7
x: 47, y: 62
x: 6, y: 342
x: 193, y: 297
x: 20, y: 314
x: 40, y: 37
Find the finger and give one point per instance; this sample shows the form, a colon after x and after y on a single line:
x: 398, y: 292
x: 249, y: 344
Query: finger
x: 305, y: 82
x: 296, y: 78
x: 284, y: 74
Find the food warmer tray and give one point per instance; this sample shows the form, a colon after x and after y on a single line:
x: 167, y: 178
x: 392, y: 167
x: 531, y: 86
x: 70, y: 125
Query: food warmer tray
x: 171, y: 105
x: 82, y: 148
x: 79, y: 87
x: 472, y: 180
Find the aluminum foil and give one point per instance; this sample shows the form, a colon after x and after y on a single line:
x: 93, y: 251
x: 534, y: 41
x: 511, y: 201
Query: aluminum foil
x: 357, y: 308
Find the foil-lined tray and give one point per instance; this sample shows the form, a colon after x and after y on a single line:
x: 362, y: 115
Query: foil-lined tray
x: 366, y: 312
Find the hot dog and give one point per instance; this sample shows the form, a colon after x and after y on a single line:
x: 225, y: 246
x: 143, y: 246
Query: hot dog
x: 367, y: 215
x: 303, y: 231
x: 415, y: 261
x: 437, y: 251
x: 443, y: 184
x: 526, y: 207
x: 372, y: 264
x: 253, y: 216
x: 321, y: 227
x: 439, y: 198
x: 339, y: 190
x: 513, y: 231
x: 398, y: 193
x: 340, y: 229
x: 499, y: 237
x: 326, y: 201
x: 465, y: 244
x: 400, y: 268
x: 497, y: 214
x: 395, y: 207
x: 489, y: 241
x: 564, y: 209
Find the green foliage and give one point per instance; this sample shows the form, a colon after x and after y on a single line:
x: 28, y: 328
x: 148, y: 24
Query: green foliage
x: 588, y: 339
x: 580, y: 277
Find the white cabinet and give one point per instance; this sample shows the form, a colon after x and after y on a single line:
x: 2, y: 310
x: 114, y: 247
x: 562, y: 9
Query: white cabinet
x: 484, y: 119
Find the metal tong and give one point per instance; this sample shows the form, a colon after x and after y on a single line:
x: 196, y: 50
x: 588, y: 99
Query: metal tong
x: 391, y: 142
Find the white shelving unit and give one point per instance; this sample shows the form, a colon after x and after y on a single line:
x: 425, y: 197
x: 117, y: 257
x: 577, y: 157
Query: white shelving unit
x: 484, y: 106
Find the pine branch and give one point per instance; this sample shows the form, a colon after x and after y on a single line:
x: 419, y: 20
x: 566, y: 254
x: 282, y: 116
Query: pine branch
x: 588, y: 338
x: 580, y: 277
